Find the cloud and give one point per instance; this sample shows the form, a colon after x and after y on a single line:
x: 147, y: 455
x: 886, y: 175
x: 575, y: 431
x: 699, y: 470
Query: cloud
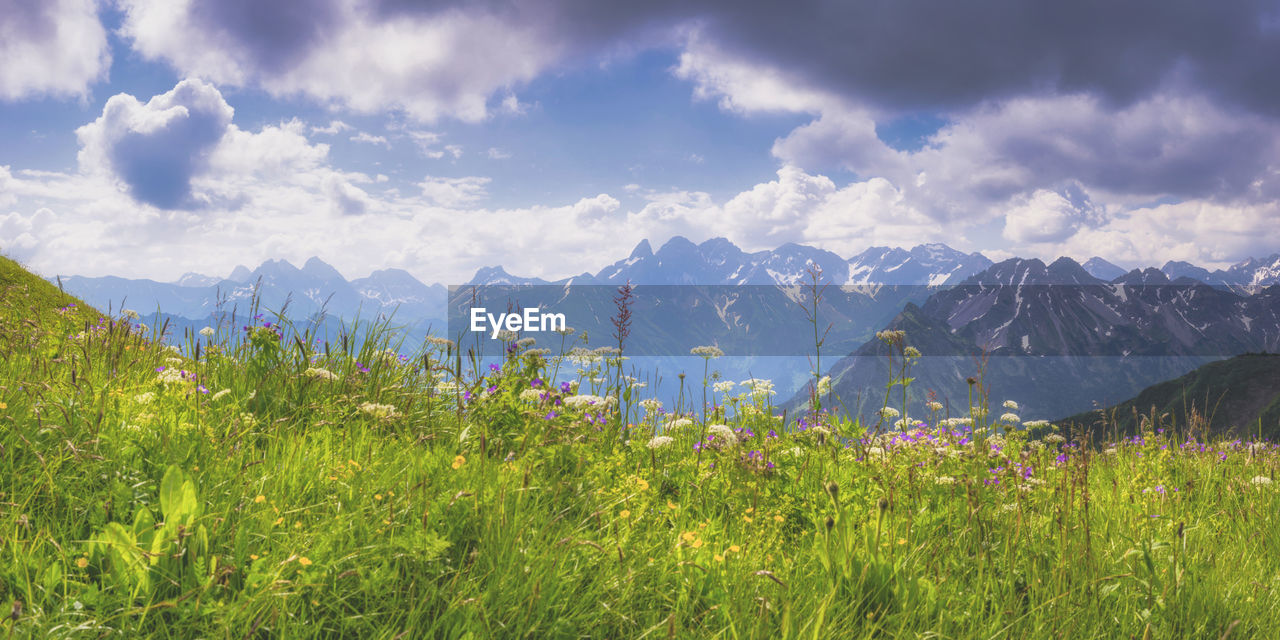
x: 368, y: 138
x: 441, y: 61
x: 54, y: 48
x: 155, y: 149
x: 454, y: 192
x: 1051, y: 216
x: 333, y: 128
x: 495, y: 153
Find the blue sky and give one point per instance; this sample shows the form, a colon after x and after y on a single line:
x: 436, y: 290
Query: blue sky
x: 147, y: 138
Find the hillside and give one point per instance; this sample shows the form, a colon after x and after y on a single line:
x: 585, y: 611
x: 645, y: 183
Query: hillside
x: 1238, y: 396
x: 281, y: 486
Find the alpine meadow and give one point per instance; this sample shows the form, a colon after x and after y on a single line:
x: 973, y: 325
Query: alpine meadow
x: 618, y: 319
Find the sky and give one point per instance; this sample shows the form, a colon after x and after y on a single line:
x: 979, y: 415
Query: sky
x: 149, y: 138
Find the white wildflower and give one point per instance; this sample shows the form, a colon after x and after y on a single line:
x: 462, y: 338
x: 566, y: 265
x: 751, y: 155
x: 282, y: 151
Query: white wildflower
x: 144, y: 398
x: 679, y: 423
x: 889, y: 413
x: 911, y: 352
x: 724, y: 387
x: 659, y: 442
x: 723, y: 432
x: 1054, y: 438
x: 935, y: 406
x: 1011, y: 405
x: 378, y: 410
x: 875, y: 452
x: 1262, y: 481
x: 824, y: 385
x: 130, y: 314
x: 581, y: 401
x: 525, y: 342
x: 1010, y: 418
x: 437, y: 341
x: 219, y: 395
x: 319, y: 373
x: 708, y: 352
x: 651, y: 405
x: 944, y: 480
x: 1035, y: 424
x: 207, y: 332
x: 531, y: 395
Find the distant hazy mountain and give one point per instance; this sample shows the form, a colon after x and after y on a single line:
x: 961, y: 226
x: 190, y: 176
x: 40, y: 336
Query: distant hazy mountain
x: 1058, y: 339
x: 1240, y: 395
x: 1102, y: 270
x: 279, y: 285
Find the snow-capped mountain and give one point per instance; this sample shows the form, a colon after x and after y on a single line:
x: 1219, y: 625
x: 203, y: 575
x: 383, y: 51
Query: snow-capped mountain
x: 1077, y: 338
x: 927, y: 264
x: 1251, y: 272
x: 720, y: 262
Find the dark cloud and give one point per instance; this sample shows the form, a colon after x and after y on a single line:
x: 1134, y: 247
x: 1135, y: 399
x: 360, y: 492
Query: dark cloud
x: 275, y: 35
x: 925, y: 54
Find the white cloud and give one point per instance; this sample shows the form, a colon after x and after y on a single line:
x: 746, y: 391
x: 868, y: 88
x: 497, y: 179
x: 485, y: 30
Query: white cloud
x: 368, y: 138
x: 495, y: 153
x: 54, y: 47
x: 333, y: 128
x: 454, y: 192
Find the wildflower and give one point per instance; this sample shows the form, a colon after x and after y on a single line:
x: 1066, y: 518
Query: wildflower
x: 130, y: 314
x: 437, y: 341
x: 1011, y: 405
x: 935, y: 406
x: 824, y: 385
x: 734, y: 548
x: 659, y: 442
x: 724, y: 387
x: 525, y: 342
x: 1055, y: 438
x: 624, y: 514
x: 378, y: 410
x: 944, y: 480
x: 507, y: 336
x: 580, y: 401
x: 304, y: 561
x: 890, y: 337
x: 778, y: 518
x: 911, y: 352
x: 708, y: 352
x: 642, y: 483
x: 651, y: 405
x: 724, y: 432
x: 1262, y: 481
x: 678, y: 423
x: 689, y: 536
x: 1010, y: 418
x: 220, y: 395
x: 672, y: 506
x: 207, y: 332
x: 889, y: 413
x: 531, y: 395
x: 144, y: 398
x: 458, y: 461
x: 875, y: 452
x: 260, y: 499
x: 719, y: 558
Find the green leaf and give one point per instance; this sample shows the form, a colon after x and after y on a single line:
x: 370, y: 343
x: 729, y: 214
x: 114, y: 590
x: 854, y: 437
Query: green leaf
x: 171, y: 491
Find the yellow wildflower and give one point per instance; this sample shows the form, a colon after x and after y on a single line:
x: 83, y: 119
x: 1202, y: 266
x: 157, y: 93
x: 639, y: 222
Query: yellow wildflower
x: 260, y: 499
x: 735, y: 548
x: 689, y: 536
x: 672, y: 506
x: 82, y: 562
x: 625, y: 514
x: 304, y: 561
x: 458, y: 461
x: 719, y: 558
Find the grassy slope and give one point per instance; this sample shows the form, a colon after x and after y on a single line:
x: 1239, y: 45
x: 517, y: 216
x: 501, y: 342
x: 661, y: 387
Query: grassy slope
x: 292, y: 506
x: 1240, y: 396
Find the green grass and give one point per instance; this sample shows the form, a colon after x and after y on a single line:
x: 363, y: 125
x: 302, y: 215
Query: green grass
x: 305, y: 495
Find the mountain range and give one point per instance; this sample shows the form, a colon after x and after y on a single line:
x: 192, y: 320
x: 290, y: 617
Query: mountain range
x: 1083, y: 333
x: 1057, y: 339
